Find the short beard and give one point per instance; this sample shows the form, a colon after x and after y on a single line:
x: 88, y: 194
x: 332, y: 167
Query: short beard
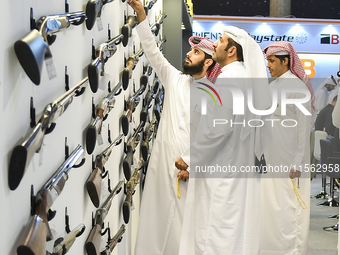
x: 193, y: 69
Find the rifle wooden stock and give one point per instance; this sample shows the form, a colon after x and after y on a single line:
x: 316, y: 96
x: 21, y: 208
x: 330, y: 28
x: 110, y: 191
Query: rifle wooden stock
x: 94, y: 186
x: 126, y: 208
x: 127, y: 162
x: 145, y: 77
x: 94, y: 70
x: 126, y: 119
x: 92, y: 131
x: 148, y: 99
x: 127, y: 28
x: 103, y: 53
x: 23, y: 153
x: 149, y: 5
x: 37, y: 231
x: 93, y: 10
x: 127, y: 72
x: 33, y: 237
x: 34, y: 47
x: 92, y: 244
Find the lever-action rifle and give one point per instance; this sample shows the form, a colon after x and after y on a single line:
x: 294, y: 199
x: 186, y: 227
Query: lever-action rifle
x: 150, y: 95
x: 130, y: 188
x: 149, y: 5
x: 102, y: 53
x: 37, y: 231
x: 130, y: 149
x: 111, y: 244
x: 155, y: 27
x: 130, y: 107
x: 100, y: 114
x: 126, y: 30
x: 94, y: 183
x: 34, y: 47
x: 94, y: 10
x: 130, y: 65
x: 63, y: 244
x: 92, y: 244
x: 23, y: 153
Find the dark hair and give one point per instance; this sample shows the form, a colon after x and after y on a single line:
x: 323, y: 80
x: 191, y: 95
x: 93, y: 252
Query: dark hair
x: 231, y: 43
x: 207, y: 56
x: 282, y: 58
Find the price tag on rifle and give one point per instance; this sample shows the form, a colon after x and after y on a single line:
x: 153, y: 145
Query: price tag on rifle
x: 50, y: 68
x: 99, y: 23
x: 100, y: 139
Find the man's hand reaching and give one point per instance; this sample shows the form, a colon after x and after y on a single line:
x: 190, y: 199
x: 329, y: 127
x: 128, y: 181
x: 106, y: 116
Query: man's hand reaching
x: 138, y: 7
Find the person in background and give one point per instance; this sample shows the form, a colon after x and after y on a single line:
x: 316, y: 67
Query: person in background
x: 324, y: 121
x: 285, y: 212
x: 322, y: 93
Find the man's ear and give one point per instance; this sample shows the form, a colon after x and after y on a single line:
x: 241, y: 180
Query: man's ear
x: 285, y: 61
x: 208, y: 62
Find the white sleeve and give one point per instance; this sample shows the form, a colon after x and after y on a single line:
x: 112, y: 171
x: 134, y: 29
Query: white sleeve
x: 159, y: 63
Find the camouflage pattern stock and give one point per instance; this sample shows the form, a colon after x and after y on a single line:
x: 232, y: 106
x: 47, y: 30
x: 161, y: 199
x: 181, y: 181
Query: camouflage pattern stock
x: 114, y: 241
x: 23, y: 153
x: 130, y: 65
x: 103, y: 53
x: 150, y: 95
x: 149, y: 4
x: 130, y: 148
x: 94, y: 10
x: 102, y: 109
x: 34, y: 47
x: 94, y: 183
x: 63, y: 245
x: 126, y: 30
x: 92, y: 244
x: 37, y: 231
x: 131, y: 105
x: 155, y: 27
x: 130, y: 188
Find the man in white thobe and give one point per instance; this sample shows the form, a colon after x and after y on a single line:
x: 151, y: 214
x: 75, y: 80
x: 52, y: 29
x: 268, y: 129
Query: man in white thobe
x: 161, y: 212
x: 285, y: 212
x: 223, y: 207
x: 322, y: 93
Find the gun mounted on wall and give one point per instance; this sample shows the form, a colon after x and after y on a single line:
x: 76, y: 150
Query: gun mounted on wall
x: 102, y: 55
x: 149, y: 97
x: 94, y: 183
x: 149, y: 4
x: 93, y: 241
x: 130, y: 190
x: 155, y: 27
x: 112, y: 242
x: 34, y: 47
x: 100, y: 114
x: 94, y: 10
x: 130, y: 107
x: 23, y: 153
x: 126, y: 30
x: 130, y: 150
x: 130, y: 65
x: 37, y: 231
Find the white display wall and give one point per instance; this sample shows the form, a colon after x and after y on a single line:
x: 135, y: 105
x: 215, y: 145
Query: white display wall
x: 72, y: 48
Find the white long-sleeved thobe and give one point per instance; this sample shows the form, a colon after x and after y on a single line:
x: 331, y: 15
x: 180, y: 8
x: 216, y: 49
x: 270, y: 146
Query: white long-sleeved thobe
x: 222, y: 210
x: 161, y: 212
x: 285, y: 224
